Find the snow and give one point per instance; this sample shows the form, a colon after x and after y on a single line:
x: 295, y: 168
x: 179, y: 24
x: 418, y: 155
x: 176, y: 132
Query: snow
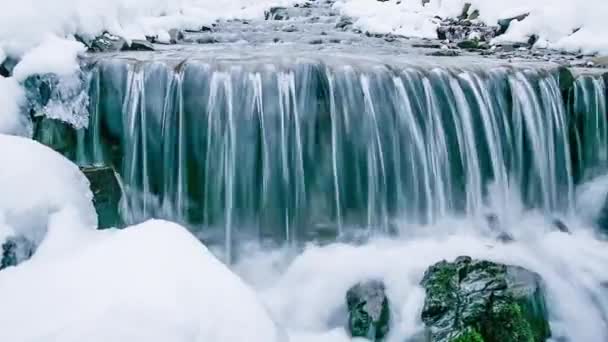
x: 38, y: 183
x: 12, y: 97
x: 54, y: 55
x: 563, y: 24
x: 151, y: 282
x: 132, y: 19
x: 42, y: 35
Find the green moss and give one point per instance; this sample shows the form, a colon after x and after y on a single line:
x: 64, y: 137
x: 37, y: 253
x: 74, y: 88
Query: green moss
x: 469, y: 335
x: 507, y: 324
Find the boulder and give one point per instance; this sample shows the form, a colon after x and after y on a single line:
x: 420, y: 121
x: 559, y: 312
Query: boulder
x: 368, y: 310
x: 277, y: 13
x: 475, y: 300
x: 15, y: 250
x: 107, y: 43
x: 7, y: 66
x: 106, y: 195
x: 504, y: 23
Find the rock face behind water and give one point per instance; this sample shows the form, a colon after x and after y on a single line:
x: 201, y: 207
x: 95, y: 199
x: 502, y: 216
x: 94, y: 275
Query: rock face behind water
x: 106, y: 195
x: 481, y: 301
x: 368, y: 310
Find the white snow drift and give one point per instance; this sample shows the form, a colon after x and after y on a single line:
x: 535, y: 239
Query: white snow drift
x: 152, y: 282
x: 564, y: 24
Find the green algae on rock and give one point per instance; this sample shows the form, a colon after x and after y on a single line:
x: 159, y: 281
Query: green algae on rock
x: 480, y: 301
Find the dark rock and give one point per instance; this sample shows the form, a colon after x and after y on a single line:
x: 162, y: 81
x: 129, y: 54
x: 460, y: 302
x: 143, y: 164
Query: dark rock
x: 464, y: 14
x: 277, y: 13
x: 444, y: 53
x: 7, y: 66
x: 427, y: 46
x: 16, y: 250
x: 316, y: 41
x: 56, y: 134
x: 107, y: 43
x: 566, y: 80
x: 468, y: 44
x: 58, y: 97
x: 207, y: 40
x: 504, y: 24
x: 290, y: 28
x: 344, y: 23
x: 106, y: 195
x: 560, y: 226
x: 138, y: 45
x: 368, y: 310
x: 473, y: 300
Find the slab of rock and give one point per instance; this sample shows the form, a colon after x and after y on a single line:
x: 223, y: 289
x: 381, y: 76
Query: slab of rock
x: 106, y: 195
x: 106, y: 43
x: 474, y: 300
x: 368, y: 310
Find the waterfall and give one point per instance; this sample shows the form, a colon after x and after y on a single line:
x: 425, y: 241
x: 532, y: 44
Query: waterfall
x: 288, y: 150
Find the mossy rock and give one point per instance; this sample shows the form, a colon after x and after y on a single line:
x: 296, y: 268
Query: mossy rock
x: 480, y: 301
x: 368, y: 310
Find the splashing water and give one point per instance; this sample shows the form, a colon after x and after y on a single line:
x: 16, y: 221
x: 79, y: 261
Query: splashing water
x: 242, y: 152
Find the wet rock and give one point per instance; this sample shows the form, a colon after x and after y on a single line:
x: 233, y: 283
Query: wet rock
x: 106, y: 195
x: 207, y: 40
x: 277, y: 13
x: 368, y: 310
x: 566, y: 81
x: 138, y: 45
x: 107, y: 43
x: 65, y: 97
x: 468, y: 44
x: 290, y: 28
x: 444, y: 53
x: 344, y: 23
x: 15, y: 250
x: 560, y: 226
x: 7, y: 66
x: 455, y: 30
x: 475, y: 300
x: 56, y: 134
x: 504, y: 24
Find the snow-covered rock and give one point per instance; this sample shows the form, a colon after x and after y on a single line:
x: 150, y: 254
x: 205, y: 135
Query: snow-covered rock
x: 151, y: 282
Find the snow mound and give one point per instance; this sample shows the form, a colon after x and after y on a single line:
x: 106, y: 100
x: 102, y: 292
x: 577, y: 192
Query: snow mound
x: 26, y: 23
x: 12, y: 97
x: 562, y: 24
x: 151, y: 282
x: 38, y: 183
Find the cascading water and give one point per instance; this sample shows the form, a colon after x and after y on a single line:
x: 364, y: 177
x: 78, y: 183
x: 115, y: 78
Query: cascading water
x: 447, y: 158
x: 276, y: 150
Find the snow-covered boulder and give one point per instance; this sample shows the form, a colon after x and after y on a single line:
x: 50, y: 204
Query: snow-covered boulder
x: 151, y: 282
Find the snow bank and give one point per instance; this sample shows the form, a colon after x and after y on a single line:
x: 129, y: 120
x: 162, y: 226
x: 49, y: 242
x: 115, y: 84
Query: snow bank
x: 12, y: 98
x: 36, y: 184
x: 151, y: 282
x: 564, y: 24
x: 25, y: 23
